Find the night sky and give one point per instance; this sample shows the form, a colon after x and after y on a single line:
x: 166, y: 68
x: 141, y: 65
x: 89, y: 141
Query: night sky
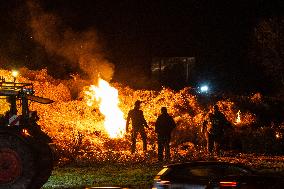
x: 130, y: 33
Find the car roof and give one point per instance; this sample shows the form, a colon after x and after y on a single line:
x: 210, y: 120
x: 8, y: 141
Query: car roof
x: 204, y: 163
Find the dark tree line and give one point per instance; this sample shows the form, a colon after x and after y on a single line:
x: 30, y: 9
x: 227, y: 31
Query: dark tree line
x: 267, y: 50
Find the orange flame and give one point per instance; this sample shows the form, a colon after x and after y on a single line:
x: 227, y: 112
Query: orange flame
x: 108, y: 100
x: 238, y: 119
x: 25, y: 132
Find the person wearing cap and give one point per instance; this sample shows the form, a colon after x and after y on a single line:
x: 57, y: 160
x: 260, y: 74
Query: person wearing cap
x: 138, y: 126
x: 164, y: 127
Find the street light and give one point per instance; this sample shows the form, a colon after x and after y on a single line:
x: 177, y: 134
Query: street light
x: 204, y: 89
x: 15, y: 74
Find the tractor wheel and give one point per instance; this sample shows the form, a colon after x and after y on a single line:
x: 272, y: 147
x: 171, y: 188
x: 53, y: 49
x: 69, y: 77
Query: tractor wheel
x: 44, y: 165
x: 17, y: 165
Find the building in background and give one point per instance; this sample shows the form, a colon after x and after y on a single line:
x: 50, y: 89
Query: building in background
x: 175, y: 72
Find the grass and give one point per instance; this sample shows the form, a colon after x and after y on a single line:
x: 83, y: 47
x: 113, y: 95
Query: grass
x: 74, y: 177
x: 140, y: 175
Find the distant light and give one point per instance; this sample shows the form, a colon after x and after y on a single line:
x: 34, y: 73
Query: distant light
x: 278, y: 135
x: 204, y: 88
x: 228, y: 183
x: 15, y: 73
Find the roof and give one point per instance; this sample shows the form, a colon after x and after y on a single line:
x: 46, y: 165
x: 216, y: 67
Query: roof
x: 204, y: 163
x: 12, y: 88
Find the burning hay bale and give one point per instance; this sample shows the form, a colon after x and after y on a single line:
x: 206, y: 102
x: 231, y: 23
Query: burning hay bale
x: 78, y: 126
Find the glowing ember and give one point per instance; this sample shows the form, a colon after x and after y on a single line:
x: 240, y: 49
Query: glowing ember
x: 238, y: 119
x: 25, y: 132
x: 107, y: 97
x: 278, y: 135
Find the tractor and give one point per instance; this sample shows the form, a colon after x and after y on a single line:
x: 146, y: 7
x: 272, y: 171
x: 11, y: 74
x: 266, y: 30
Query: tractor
x: 26, y: 157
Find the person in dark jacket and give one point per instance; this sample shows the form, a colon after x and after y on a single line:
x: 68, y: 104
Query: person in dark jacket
x: 138, y: 126
x: 164, y: 127
x: 214, y: 130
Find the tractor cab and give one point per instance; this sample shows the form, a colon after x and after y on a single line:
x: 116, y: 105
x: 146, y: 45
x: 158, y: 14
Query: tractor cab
x: 26, y: 158
x: 19, y: 95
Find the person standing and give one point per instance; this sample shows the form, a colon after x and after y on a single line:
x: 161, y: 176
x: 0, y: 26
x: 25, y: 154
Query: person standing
x: 138, y: 126
x: 214, y: 128
x: 164, y: 127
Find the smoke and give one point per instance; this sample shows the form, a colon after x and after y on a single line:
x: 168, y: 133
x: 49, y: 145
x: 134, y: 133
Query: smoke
x: 81, y: 49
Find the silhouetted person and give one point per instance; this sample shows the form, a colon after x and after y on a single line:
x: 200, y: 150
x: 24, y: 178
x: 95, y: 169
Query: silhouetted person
x: 35, y: 129
x: 164, y: 127
x: 138, y: 126
x: 214, y: 130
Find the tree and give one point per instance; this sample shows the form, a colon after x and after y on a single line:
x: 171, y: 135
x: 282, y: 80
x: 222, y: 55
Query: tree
x: 268, y: 48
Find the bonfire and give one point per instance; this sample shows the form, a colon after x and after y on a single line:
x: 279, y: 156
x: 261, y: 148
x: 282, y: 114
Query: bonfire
x: 92, y: 125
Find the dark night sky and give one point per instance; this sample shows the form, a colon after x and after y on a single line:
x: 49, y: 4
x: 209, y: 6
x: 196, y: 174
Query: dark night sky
x: 217, y: 33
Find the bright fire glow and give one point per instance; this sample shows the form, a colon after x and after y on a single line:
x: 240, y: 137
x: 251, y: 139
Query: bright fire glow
x: 25, y: 132
x: 108, y: 100
x: 15, y: 73
x: 238, y: 119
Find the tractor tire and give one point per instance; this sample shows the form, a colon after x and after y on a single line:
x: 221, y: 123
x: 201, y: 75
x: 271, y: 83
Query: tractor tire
x: 44, y: 165
x: 17, y: 163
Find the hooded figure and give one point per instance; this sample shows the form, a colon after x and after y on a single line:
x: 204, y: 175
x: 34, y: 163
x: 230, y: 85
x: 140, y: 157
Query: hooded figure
x: 164, y: 127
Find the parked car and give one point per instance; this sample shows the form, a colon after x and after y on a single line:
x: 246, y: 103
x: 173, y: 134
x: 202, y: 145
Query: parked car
x: 214, y: 175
